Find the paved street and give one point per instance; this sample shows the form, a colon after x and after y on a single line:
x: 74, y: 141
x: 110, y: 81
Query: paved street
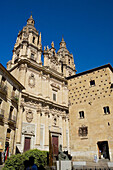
x: 1, y: 166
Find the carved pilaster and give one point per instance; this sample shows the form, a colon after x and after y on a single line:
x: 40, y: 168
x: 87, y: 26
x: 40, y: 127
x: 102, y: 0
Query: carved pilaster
x: 40, y: 83
x: 48, y: 86
x: 19, y: 124
x: 63, y: 93
x: 46, y: 128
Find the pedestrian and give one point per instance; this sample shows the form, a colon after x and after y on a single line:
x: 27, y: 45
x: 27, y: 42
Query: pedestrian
x: 32, y: 165
x: 26, y: 165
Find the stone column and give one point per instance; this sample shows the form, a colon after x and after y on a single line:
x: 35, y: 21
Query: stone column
x: 64, y: 131
x: 39, y: 57
x: 63, y: 96
x: 46, y: 58
x: 48, y: 84
x: 13, y: 58
x: 46, y: 129
x: 38, y: 127
x: 21, y: 51
x: 24, y: 49
x: 40, y: 83
x: 19, y: 124
x: 22, y: 74
x: 28, y: 53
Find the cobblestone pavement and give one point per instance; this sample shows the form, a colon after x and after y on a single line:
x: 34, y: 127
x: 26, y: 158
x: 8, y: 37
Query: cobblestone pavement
x: 1, y: 166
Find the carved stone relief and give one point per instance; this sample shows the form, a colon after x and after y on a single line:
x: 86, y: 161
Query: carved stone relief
x: 55, y: 86
x: 31, y: 81
x: 28, y: 129
x: 29, y: 116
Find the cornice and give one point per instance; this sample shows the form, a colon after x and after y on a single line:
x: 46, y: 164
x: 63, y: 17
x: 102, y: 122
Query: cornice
x: 8, y: 74
x: 39, y: 68
x: 42, y: 100
x: 28, y: 45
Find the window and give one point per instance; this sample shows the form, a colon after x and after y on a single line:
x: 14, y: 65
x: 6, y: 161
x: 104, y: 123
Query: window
x: 32, y: 56
x: 83, y: 131
x: 3, y: 80
x: 13, y: 92
x: 53, y: 54
x: 62, y: 66
x: 54, y: 96
x: 111, y: 85
x: 18, y: 55
x: 106, y: 110
x: 33, y: 40
x: 92, y: 83
x: 14, y: 89
x: 69, y: 61
x: 81, y: 114
x: 10, y: 113
x: 8, y: 133
x: 0, y: 101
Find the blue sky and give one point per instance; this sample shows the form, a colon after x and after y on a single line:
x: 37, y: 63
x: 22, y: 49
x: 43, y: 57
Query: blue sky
x: 87, y: 27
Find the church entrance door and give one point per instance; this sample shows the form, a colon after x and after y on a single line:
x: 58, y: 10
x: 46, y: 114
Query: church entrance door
x: 55, y: 145
x: 27, y: 143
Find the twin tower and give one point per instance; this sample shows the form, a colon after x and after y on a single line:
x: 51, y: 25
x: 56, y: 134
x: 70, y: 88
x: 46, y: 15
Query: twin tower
x: 28, y: 46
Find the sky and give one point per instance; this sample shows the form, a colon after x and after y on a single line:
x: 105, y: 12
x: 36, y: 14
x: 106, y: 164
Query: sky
x: 86, y: 25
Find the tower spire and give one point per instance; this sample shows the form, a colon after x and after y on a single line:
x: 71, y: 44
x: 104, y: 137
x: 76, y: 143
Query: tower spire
x: 62, y: 38
x: 62, y: 43
x: 30, y: 21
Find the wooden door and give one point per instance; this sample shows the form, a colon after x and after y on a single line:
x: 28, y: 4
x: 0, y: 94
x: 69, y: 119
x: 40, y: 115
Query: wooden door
x: 55, y: 145
x: 27, y: 143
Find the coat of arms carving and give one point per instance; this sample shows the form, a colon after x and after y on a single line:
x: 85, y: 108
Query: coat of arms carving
x: 29, y: 116
x: 31, y: 81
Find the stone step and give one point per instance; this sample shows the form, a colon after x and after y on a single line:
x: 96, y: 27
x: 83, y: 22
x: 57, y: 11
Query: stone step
x: 92, y: 168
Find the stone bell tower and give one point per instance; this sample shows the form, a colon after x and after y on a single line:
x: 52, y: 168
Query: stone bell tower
x: 66, y: 59
x: 28, y: 45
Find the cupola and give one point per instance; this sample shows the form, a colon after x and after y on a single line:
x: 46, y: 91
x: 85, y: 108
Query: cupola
x: 30, y: 21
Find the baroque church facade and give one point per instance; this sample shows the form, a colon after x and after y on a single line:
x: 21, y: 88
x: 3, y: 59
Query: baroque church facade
x: 44, y: 107
x: 55, y: 103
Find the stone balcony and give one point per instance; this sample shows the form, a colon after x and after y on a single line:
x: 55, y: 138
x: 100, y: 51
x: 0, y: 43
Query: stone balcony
x: 14, y: 98
x: 3, y: 88
x: 12, y: 121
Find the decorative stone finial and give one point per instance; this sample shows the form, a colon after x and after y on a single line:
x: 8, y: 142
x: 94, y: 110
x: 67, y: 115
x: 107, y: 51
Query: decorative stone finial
x: 40, y: 38
x: 62, y: 38
x: 52, y: 44
x: 47, y: 48
x: 44, y: 48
